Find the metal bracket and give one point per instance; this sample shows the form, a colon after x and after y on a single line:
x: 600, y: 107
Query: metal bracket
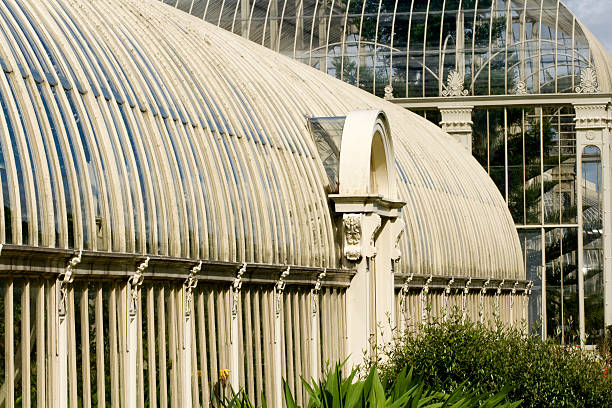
x: 466, y: 290
x: 424, y: 293
x: 447, y: 291
x: 483, y: 292
x: 497, y: 294
x: 499, y: 287
x: 135, y: 282
x: 278, y: 290
x: 405, y: 287
x: 190, y: 284
x: 236, y: 287
x: 315, y: 292
x: 64, y: 280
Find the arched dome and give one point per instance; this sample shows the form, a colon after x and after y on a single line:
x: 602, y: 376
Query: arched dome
x: 414, y: 44
x: 130, y: 126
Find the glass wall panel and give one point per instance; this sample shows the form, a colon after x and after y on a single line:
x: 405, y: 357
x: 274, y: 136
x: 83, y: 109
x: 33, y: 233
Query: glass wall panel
x: 592, y: 219
x: 562, y: 285
x: 531, y: 242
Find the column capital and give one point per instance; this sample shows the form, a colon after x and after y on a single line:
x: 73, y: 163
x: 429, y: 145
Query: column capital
x: 457, y: 121
x: 591, y: 116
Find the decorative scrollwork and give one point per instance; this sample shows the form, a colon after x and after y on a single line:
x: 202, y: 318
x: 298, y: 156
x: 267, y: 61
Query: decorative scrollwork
x: 190, y: 284
x: 466, y: 290
x: 424, y: 293
x: 236, y: 287
x: 497, y: 294
x: 278, y: 290
x: 447, y: 292
x: 588, y: 81
x: 315, y: 291
x: 64, y: 280
x: 454, y: 85
x: 483, y: 292
x: 135, y: 282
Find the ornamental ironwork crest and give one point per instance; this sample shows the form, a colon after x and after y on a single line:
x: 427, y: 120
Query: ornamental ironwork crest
x: 454, y: 85
x: 588, y: 81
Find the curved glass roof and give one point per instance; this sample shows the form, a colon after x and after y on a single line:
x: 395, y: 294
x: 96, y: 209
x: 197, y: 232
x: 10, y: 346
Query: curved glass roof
x: 132, y: 127
x: 497, y: 46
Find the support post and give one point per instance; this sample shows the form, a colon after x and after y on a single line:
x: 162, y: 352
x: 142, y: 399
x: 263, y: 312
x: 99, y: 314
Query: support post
x: 466, y: 290
x: 424, y: 303
x: 234, y: 340
x: 513, y: 295
x: 403, y: 307
x: 314, y: 325
x: 279, y: 288
x: 447, y: 292
x: 497, y: 295
x: 592, y: 129
x: 190, y: 284
x: 483, y: 292
x: 60, y: 394
x: 526, y: 293
x: 131, y: 351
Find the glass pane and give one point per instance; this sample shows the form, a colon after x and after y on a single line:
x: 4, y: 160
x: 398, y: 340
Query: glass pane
x: 592, y: 218
x: 562, y: 285
x: 531, y: 243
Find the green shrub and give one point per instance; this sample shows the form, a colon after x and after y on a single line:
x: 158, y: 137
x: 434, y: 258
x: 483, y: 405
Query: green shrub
x: 454, y: 355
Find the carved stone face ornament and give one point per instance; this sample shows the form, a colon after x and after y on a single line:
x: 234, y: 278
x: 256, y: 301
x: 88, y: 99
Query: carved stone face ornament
x: 352, y: 237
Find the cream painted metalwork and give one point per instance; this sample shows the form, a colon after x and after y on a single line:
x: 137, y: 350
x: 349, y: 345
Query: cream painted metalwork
x: 136, y: 146
x: 413, y: 47
x: 165, y: 169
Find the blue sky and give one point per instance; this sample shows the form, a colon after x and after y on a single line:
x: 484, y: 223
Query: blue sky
x: 596, y: 15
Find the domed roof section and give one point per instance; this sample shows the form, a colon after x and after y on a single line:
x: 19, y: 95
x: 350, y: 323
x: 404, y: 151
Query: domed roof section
x: 496, y: 45
x: 130, y: 126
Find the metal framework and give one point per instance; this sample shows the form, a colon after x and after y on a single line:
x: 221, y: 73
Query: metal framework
x: 417, y: 48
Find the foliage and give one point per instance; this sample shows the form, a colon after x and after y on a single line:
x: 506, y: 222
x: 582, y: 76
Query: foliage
x: 336, y: 390
x: 452, y: 356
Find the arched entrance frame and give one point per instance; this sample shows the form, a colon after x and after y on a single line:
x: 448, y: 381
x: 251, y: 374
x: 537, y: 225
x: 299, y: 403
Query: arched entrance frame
x: 371, y: 228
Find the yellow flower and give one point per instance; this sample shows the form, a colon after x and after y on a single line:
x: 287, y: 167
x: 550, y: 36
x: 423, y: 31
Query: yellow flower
x: 224, y: 376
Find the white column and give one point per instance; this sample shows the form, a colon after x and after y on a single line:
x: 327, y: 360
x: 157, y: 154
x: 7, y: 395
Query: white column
x: 60, y: 366
x: 185, y: 376
x: 314, y: 329
x: 592, y: 129
x: 457, y: 122
x: 403, y: 319
x: 131, y: 351
x: 359, y: 231
x: 234, y: 338
x: 278, y: 319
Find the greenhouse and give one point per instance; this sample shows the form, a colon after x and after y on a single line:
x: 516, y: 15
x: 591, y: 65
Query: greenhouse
x: 184, y: 209
x: 522, y: 84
